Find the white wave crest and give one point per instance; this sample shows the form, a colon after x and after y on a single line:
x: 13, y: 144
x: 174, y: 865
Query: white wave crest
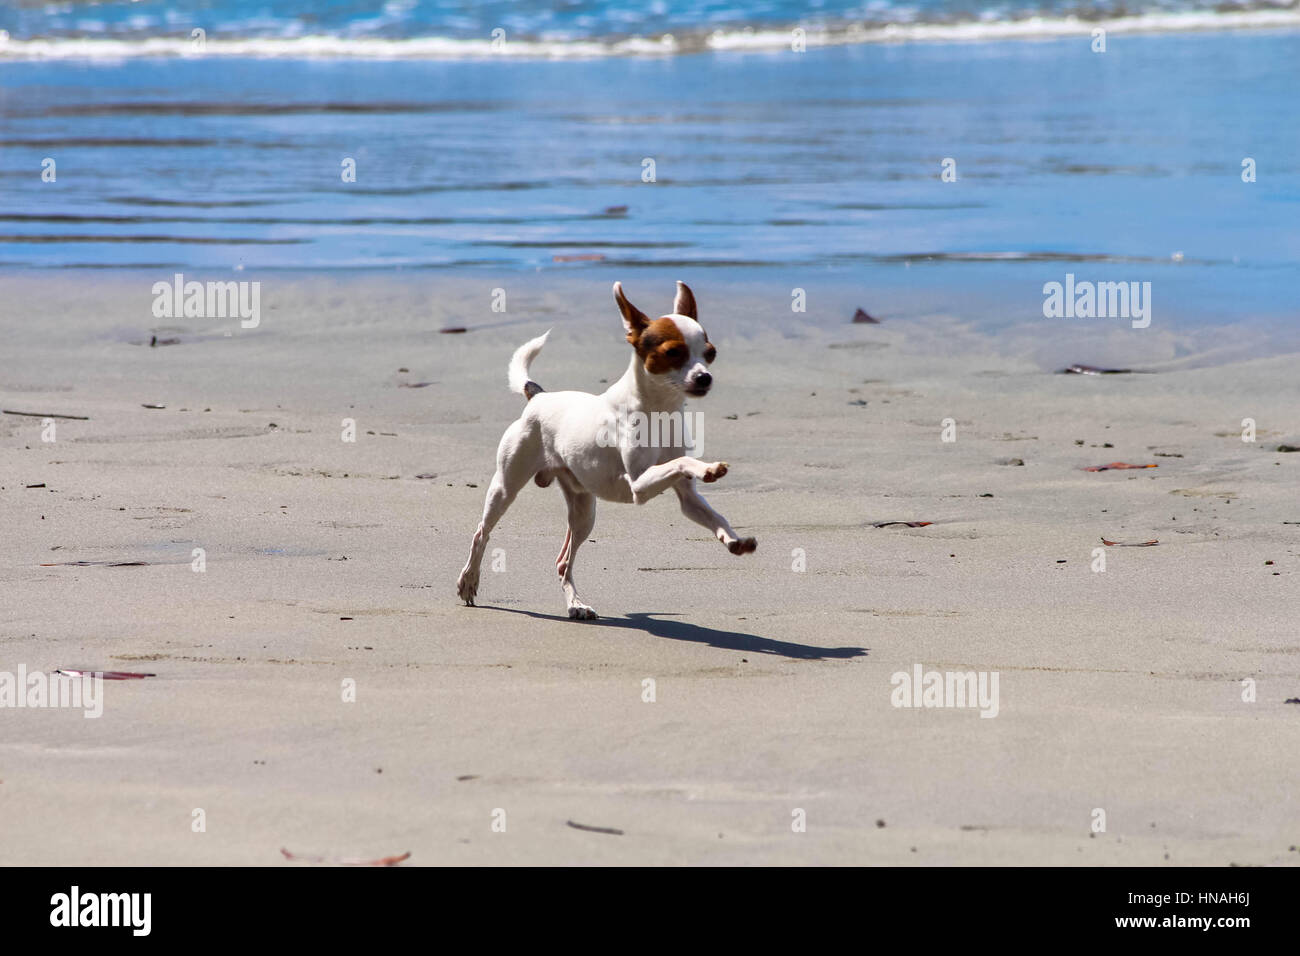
x: 444, y: 48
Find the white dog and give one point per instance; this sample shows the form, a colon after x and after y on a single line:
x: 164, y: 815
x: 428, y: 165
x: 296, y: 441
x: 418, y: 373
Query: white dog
x: 581, y: 440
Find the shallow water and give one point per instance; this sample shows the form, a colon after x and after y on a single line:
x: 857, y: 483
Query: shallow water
x: 820, y: 167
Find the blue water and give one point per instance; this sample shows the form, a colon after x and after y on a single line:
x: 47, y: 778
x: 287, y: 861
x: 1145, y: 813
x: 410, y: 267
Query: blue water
x: 1124, y: 165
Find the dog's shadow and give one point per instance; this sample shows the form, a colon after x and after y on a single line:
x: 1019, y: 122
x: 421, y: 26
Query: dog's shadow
x: 656, y: 626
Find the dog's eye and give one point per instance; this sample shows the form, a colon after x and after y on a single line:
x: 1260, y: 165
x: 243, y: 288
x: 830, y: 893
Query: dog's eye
x: 710, y: 354
x: 675, y: 352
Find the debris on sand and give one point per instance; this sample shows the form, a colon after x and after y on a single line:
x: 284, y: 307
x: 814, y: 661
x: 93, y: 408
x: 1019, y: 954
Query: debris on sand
x: 106, y: 675
x: 1116, y: 466
x: 905, y: 524
x: 346, y: 860
x: 1129, y: 544
x: 1094, y: 370
x: 590, y: 829
x: 78, y: 418
x: 454, y: 330
x: 861, y: 317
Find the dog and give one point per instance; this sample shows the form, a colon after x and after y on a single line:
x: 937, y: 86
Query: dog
x: 582, y: 441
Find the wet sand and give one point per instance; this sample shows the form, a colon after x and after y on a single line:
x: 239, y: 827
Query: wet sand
x: 329, y: 561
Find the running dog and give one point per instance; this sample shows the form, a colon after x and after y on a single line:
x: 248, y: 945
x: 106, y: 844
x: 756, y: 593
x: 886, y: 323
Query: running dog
x: 581, y: 440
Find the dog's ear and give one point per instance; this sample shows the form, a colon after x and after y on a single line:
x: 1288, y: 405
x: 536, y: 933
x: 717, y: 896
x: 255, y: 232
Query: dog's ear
x: 684, y: 304
x: 634, y: 320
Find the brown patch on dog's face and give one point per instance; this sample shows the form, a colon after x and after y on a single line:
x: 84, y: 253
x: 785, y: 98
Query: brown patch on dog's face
x: 674, y: 348
x: 662, y: 346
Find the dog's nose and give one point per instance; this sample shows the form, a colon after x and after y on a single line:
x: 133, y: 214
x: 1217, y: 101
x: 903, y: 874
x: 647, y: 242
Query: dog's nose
x: 703, y: 381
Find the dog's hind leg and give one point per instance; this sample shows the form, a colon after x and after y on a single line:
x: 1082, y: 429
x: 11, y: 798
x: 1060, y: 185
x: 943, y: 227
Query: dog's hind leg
x: 701, y: 512
x: 564, y: 551
x: 582, y: 518
x: 517, y: 458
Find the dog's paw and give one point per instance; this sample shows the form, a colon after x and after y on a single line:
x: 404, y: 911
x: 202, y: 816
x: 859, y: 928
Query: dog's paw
x: 580, y: 612
x: 714, y: 471
x: 467, y: 589
x: 743, y: 546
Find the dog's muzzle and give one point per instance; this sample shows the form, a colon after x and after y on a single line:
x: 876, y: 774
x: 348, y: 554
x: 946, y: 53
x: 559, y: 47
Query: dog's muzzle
x: 700, y: 384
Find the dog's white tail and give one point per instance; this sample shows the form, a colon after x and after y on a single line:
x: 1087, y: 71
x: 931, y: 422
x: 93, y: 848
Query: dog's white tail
x: 519, y: 362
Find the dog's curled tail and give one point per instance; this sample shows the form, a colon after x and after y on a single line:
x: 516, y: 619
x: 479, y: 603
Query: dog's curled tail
x: 519, y: 362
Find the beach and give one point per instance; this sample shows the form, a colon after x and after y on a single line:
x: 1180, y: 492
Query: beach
x: 261, y: 273
x: 482, y: 735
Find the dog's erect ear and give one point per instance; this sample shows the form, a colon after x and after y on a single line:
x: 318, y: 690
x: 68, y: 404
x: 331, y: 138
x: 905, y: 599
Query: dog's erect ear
x: 634, y: 320
x: 684, y: 304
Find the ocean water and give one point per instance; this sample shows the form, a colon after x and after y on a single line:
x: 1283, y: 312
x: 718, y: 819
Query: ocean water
x: 821, y: 166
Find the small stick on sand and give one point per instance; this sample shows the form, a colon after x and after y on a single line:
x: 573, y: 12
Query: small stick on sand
x: 80, y: 418
x: 106, y: 675
x: 591, y: 829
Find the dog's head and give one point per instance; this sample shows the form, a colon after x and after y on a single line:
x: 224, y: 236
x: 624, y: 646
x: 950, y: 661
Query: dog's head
x: 673, y: 348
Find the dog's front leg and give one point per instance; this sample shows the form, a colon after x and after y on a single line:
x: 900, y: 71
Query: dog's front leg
x: 659, y: 478
x: 582, y: 518
x: 701, y: 512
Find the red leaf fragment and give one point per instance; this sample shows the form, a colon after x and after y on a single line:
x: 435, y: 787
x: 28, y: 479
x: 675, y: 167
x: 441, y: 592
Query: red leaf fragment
x: 346, y: 861
x: 1116, y: 466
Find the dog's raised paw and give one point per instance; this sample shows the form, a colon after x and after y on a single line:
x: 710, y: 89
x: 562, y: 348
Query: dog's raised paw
x: 467, y: 590
x: 715, y: 471
x: 743, y: 546
x: 581, y: 612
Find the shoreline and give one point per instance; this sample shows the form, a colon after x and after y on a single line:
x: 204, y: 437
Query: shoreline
x: 700, y: 41
x: 946, y: 321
